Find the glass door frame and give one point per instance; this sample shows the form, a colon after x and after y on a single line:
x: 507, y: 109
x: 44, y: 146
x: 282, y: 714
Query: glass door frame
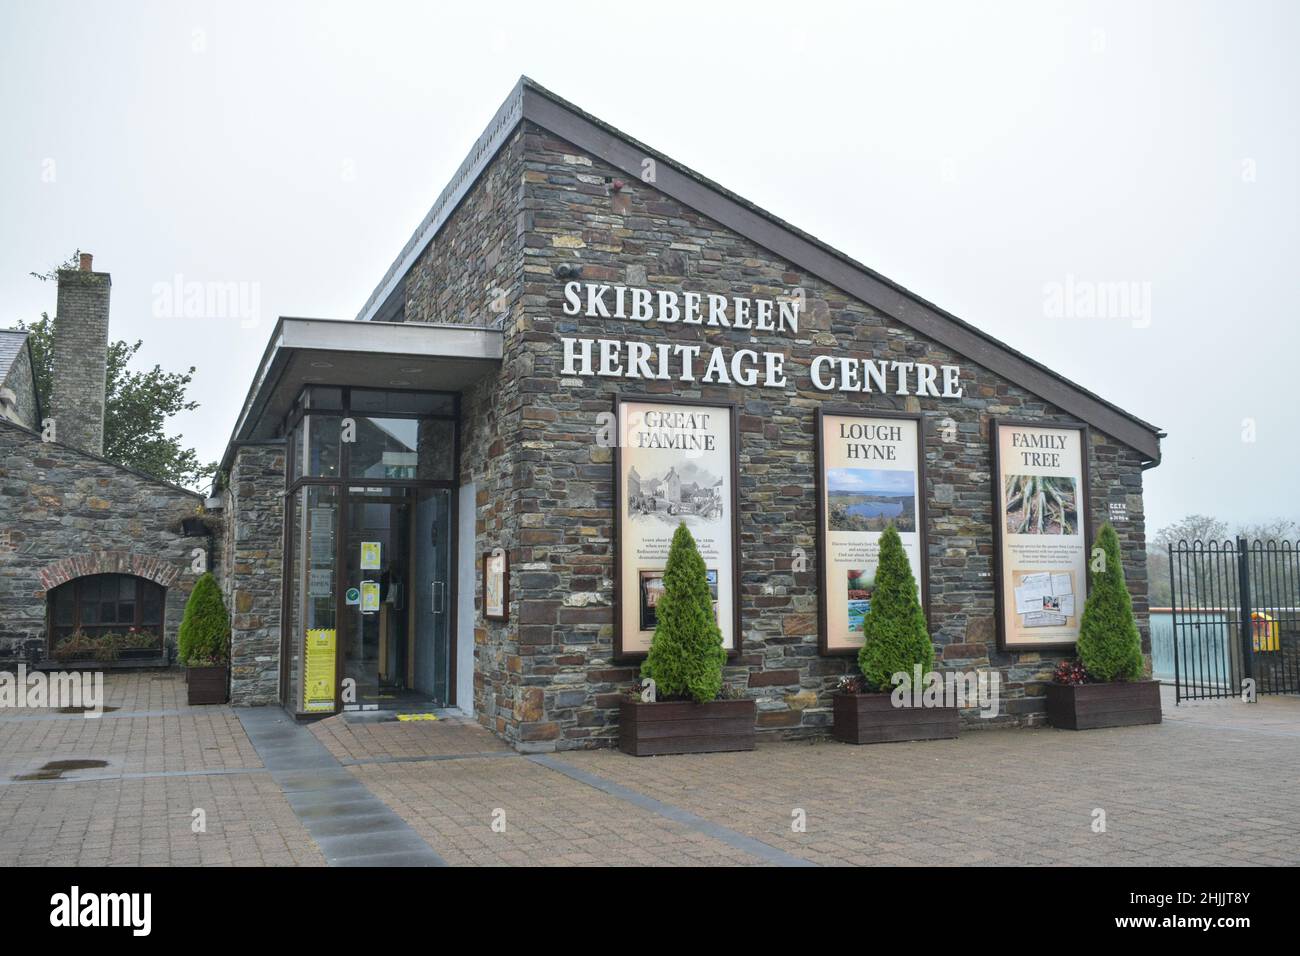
x: 341, y: 485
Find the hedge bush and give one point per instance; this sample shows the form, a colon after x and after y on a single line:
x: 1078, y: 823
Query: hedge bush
x: 686, y: 653
x: 204, y: 637
x: 895, y: 634
x: 1109, y: 644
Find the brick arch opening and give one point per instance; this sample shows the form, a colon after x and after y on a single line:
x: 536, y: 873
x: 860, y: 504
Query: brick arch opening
x: 147, y: 566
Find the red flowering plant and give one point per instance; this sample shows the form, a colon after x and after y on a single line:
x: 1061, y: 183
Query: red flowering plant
x: 852, y: 684
x: 1070, y: 672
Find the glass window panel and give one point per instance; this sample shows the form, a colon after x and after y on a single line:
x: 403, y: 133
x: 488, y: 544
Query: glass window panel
x: 126, y: 588
x: 64, y: 605
x: 296, y: 439
x: 325, y: 398
x: 318, y: 552
x: 107, y: 612
x: 386, y: 448
x: 323, y: 432
x: 377, y: 401
x: 151, y: 610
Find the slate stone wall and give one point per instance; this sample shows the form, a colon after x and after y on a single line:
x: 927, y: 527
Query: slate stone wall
x: 80, y: 354
x: 546, y: 679
x: 252, y: 571
x: 563, y: 489
x: 64, y: 513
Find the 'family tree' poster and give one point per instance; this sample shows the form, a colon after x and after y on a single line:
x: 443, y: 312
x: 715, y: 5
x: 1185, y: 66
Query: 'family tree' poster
x: 1040, y: 494
x: 675, y: 465
x: 871, y: 477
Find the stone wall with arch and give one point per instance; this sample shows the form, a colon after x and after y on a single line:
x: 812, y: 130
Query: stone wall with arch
x: 65, y: 514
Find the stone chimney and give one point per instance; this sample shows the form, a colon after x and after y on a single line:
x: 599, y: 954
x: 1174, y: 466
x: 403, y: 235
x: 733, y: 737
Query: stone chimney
x: 80, y: 357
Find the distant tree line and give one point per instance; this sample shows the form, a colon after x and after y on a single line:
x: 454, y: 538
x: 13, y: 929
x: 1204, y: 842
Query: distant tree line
x: 1205, y: 529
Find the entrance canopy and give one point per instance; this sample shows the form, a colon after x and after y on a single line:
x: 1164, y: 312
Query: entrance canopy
x: 393, y: 355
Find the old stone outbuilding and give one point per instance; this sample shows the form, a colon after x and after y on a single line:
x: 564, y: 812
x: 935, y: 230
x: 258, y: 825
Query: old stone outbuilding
x: 87, y: 547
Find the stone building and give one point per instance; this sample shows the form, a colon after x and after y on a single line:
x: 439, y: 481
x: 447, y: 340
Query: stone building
x: 566, y: 274
x: 87, y: 546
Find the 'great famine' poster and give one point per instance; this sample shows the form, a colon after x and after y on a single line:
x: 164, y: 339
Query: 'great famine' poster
x: 1040, y: 504
x: 675, y: 467
x: 870, y: 478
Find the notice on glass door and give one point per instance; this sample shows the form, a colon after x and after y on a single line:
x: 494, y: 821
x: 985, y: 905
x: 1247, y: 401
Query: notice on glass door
x: 370, y: 552
x: 318, y: 671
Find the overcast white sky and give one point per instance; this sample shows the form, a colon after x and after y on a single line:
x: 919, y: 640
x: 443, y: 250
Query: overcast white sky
x: 977, y: 154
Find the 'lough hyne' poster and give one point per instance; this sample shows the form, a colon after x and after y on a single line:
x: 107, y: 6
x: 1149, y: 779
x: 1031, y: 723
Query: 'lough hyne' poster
x: 870, y: 478
x: 1040, y: 504
x: 675, y: 465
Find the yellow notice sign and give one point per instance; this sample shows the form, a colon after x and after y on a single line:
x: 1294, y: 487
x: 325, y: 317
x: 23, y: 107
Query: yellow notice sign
x: 318, y: 671
x: 369, y: 596
x: 370, y: 552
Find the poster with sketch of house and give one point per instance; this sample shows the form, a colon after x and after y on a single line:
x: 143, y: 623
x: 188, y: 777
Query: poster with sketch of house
x: 675, y: 467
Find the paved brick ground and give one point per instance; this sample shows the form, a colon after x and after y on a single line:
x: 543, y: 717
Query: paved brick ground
x: 1213, y: 785
x: 350, y: 739
x: 549, y: 819
x: 137, y: 809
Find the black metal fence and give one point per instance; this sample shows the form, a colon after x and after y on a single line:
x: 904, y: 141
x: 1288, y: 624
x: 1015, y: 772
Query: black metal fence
x: 1236, y: 617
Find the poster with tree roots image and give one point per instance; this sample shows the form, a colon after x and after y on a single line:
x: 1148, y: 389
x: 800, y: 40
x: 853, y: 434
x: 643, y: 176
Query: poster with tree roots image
x: 1040, y: 504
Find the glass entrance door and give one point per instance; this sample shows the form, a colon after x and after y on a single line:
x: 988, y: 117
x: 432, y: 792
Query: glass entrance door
x: 396, y: 617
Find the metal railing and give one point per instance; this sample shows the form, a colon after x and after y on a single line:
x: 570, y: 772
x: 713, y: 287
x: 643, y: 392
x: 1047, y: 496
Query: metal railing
x: 1236, y: 618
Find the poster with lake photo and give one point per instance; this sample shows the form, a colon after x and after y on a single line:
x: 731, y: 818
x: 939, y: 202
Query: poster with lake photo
x: 870, y: 473
x: 1040, y: 502
x: 675, y: 466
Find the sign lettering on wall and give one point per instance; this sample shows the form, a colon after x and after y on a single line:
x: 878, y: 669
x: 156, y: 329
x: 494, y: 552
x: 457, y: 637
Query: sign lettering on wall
x: 870, y: 471
x: 1041, y: 532
x: 676, y: 464
x: 715, y: 365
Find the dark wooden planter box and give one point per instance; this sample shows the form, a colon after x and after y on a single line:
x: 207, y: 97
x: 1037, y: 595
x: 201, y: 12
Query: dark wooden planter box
x: 1088, y: 706
x: 208, y: 685
x: 873, y: 719
x: 685, y: 727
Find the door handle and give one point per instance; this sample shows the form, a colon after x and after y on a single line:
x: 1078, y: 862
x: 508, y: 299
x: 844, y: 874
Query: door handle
x: 439, y: 592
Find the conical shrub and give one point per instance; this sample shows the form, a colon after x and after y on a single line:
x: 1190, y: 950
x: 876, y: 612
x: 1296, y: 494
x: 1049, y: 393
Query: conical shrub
x: 1109, y: 643
x: 895, y: 634
x: 204, y: 637
x: 686, y: 653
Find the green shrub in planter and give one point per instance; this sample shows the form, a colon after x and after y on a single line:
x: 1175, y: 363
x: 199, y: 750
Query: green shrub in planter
x: 686, y: 653
x: 1109, y: 644
x: 895, y: 635
x: 204, y: 638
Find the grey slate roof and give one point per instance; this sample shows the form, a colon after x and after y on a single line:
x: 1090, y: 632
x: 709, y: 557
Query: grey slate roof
x: 11, y: 343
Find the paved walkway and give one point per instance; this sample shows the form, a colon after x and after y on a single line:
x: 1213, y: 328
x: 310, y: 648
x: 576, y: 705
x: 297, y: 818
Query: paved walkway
x: 1212, y: 785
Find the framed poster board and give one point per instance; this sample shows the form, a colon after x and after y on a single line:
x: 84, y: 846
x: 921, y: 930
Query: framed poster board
x: 674, y: 462
x: 870, y: 473
x: 496, y: 585
x: 1041, y: 532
